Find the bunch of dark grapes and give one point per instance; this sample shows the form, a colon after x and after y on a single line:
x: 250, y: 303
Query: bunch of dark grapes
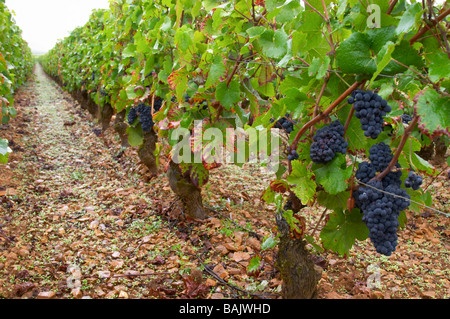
x: 370, y: 109
x: 132, y: 115
x: 406, y: 118
x: 380, y: 156
x: 365, y: 172
x: 157, y: 104
x: 328, y: 141
x: 381, y: 211
x: 413, y: 181
x: 285, y: 123
x: 292, y: 154
x: 381, y: 201
x: 145, y: 116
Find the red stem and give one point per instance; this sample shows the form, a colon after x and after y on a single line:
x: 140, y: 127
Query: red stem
x: 234, y: 70
x: 324, y: 113
x: 391, y: 7
x: 349, y: 118
x: 428, y: 27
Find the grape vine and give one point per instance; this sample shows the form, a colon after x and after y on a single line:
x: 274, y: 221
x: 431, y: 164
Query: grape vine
x: 279, y: 68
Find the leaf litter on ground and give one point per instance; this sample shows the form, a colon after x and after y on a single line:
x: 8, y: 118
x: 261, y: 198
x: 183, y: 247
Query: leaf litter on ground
x: 81, y: 218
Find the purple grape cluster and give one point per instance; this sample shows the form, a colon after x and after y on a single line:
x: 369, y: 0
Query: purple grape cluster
x: 144, y: 112
x: 380, y: 156
x: 328, y: 141
x: 370, y: 109
x: 406, y: 118
x: 413, y: 181
x: 284, y: 123
x: 132, y: 115
x: 381, y: 201
x: 145, y: 116
x: 380, y: 213
x: 292, y: 154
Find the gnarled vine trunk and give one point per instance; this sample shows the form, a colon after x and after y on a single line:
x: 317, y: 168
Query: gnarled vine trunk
x: 189, y: 195
x: 121, y: 128
x: 146, y: 151
x: 299, y: 273
x: 104, y: 115
x: 92, y: 107
x: 83, y: 98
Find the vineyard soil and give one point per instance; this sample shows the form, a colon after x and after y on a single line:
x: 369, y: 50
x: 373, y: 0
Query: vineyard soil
x: 78, y: 212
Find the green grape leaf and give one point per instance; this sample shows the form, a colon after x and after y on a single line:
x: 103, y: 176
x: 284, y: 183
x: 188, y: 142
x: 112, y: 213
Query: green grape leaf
x: 293, y: 100
x: 342, y: 230
x: 357, y: 141
x: 129, y: 51
x: 273, y: 43
x: 420, y: 164
x: 333, y: 176
x: 290, y: 82
x: 319, y: 67
x: 354, y: 55
x: 254, y: 32
x: 268, y: 195
x: 301, y: 178
x: 372, y: 52
x: 299, y: 42
x: 183, y: 38
x: 254, y: 265
x: 434, y: 111
x: 228, y: 95
x: 386, y: 53
x: 410, y: 18
x: 216, y: 71
x: 288, y: 12
x: 333, y: 202
x: 439, y: 67
x: 404, y: 54
x: 135, y: 136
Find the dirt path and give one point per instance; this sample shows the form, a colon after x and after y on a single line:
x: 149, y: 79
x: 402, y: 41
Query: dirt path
x: 77, y: 212
x: 81, y: 214
x: 81, y: 219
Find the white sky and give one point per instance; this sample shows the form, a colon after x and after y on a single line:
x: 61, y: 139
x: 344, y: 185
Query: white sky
x: 43, y: 22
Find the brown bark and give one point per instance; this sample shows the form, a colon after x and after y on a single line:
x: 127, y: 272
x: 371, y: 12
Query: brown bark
x: 189, y: 195
x: 146, y: 151
x: 104, y: 116
x: 440, y: 149
x: 121, y: 128
x: 92, y: 107
x: 82, y: 97
x: 299, y: 273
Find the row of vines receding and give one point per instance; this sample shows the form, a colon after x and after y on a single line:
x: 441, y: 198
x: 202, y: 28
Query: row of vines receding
x: 16, y: 63
x: 356, y: 89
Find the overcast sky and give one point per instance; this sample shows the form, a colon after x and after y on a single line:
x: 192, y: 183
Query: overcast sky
x: 43, y: 22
